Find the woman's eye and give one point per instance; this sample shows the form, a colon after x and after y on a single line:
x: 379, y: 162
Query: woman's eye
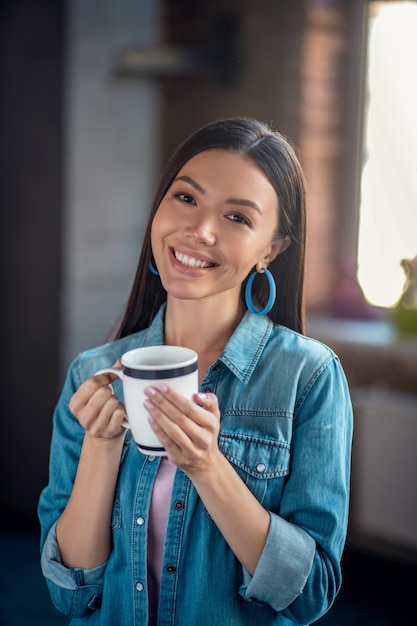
x: 185, y: 197
x: 240, y: 219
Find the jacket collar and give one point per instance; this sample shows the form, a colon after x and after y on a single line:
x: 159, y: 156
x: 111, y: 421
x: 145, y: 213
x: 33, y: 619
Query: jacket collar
x: 245, y: 346
x: 242, y: 351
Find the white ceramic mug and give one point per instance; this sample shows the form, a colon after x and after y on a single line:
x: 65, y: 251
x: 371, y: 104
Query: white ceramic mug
x: 174, y: 365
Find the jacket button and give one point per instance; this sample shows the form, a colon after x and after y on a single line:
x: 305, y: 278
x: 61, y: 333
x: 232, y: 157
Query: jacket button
x: 261, y: 467
x: 95, y: 603
x: 139, y: 587
x: 140, y: 521
x: 171, y: 568
x: 208, y: 390
x: 216, y: 366
x: 179, y: 505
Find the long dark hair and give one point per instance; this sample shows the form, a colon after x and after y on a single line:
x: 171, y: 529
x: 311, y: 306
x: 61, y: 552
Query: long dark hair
x: 275, y: 156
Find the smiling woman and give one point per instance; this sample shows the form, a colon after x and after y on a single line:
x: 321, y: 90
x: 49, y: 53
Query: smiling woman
x: 276, y: 159
x: 255, y: 482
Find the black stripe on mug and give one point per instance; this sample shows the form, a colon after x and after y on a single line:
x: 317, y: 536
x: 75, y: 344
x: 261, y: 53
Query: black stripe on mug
x: 149, y: 449
x: 173, y: 372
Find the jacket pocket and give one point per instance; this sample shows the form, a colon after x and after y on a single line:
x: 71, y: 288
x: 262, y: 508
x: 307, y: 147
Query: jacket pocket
x: 257, y: 460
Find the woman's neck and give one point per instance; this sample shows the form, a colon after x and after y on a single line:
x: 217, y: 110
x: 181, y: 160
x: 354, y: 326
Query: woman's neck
x: 204, y: 326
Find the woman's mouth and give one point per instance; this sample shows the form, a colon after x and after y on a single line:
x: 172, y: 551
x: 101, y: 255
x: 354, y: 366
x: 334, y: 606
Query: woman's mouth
x: 190, y: 261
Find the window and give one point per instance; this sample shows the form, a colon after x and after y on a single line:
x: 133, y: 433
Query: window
x: 388, y: 206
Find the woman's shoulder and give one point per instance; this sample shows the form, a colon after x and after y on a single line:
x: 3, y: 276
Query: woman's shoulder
x: 106, y: 355
x: 90, y: 361
x: 303, y: 359
x: 300, y: 346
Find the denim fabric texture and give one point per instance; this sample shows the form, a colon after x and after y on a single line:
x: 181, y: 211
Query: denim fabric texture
x: 286, y: 428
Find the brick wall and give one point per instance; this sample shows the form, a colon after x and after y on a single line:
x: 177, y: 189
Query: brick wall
x: 329, y: 132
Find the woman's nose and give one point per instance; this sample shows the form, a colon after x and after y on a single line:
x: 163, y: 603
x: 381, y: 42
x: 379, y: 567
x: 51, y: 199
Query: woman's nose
x: 201, y: 231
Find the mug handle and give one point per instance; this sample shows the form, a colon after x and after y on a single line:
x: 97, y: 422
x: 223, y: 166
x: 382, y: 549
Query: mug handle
x: 119, y: 373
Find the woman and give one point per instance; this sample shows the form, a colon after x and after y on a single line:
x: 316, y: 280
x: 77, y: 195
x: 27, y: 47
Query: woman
x: 245, y: 520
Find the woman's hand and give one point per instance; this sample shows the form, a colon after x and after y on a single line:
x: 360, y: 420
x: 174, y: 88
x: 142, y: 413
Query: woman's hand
x: 188, y: 429
x: 97, y: 408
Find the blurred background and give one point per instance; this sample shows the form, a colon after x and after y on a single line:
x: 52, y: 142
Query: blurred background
x: 94, y: 96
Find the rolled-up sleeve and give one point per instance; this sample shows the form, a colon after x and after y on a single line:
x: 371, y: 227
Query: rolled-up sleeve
x: 74, y: 592
x: 287, y: 544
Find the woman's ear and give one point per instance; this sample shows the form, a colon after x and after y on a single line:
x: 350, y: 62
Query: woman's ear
x: 277, y: 247
x: 284, y: 244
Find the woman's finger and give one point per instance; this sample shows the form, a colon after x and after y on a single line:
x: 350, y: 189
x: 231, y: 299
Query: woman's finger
x: 176, y: 405
x: 96, y: 407
x: 88, y: 389
x: 182, y: 420
x: 208, y: 401
x: 108, y: 423
x: 100, y: 407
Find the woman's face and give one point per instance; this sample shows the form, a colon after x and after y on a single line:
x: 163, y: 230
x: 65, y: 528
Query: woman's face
x: 215, y: 223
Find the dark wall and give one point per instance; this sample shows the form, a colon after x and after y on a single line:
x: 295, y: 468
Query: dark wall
x: 31, y: 80
x: 256, y: 50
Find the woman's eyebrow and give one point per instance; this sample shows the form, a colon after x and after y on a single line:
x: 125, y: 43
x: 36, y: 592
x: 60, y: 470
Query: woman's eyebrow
x: 191, y: 181
x: 244, y: 202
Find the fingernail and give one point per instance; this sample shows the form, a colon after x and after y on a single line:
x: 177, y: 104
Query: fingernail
x: 148, y: 405
x: 149, y: 391
x: 151, y: 419
x: 162, y: 387
x: 202, y: 396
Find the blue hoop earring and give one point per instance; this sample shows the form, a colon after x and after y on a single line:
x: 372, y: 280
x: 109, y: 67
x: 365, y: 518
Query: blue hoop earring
x: 152, y: 268
x: 272, y: 293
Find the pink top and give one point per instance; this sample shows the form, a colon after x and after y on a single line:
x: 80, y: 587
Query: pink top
x: 158, y: 516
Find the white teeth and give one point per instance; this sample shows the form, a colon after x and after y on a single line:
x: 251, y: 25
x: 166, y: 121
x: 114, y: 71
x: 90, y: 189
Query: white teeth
x: 190, y: 261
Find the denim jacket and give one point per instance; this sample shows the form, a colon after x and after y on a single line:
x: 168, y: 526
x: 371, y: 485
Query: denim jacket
x: 286, y: 428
